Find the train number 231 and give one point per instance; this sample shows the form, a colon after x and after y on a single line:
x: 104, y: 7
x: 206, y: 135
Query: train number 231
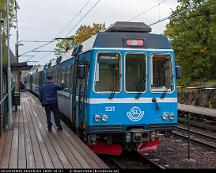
x: 110, y: 109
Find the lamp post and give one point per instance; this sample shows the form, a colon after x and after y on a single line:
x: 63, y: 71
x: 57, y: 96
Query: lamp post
x: 10, y: 119
x: 1, y: 68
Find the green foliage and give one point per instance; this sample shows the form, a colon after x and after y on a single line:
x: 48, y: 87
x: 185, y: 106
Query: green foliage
x: 192, y: 29
x: 63, y: 45
x: 86, y: 31
x: 82, y: 34
x: 11, y: 20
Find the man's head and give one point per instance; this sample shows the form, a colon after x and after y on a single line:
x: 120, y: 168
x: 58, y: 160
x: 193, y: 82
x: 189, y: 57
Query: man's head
x: 49, y: 79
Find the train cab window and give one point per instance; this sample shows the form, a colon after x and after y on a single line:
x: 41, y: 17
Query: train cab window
x: 161, y: 72
x: 135, y: 72
x: 107, y: 73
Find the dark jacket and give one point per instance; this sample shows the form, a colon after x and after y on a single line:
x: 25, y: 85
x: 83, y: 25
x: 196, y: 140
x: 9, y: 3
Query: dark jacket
x: 48, y: 93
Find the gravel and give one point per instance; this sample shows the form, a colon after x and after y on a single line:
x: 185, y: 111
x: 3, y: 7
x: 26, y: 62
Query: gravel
x: 173, y: 153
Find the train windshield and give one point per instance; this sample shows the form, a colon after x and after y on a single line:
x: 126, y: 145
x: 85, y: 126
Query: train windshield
x: 135, y: 78
x: 161, y: 72
x: 107, y: 75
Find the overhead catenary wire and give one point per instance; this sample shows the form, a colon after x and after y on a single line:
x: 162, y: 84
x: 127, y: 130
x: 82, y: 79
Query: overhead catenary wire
x: 140, y: 14
x: 84, y: 17
x: 38, y: 47
x: 35, y: 41
x: 173, y: 16
x: 80, y: 11
x: 66, y: 25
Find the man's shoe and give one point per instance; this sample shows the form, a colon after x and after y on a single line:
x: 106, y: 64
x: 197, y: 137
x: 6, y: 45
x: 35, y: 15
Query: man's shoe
x: 59, y: 128
x: 49, y: 129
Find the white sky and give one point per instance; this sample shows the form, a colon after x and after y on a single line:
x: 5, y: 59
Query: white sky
x: 44, y: 19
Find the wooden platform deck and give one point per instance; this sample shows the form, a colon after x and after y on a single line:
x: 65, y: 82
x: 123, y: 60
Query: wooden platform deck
x: 197, y: 110
x: 30, y: 145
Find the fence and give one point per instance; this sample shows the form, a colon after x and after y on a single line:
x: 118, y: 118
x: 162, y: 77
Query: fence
x: 3, y: 113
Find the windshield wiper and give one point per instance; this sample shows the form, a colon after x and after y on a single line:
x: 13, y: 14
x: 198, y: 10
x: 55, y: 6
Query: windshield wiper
x: 140, y: 88
x: 112, y: 93
x: 114, y: 83
x: 164, y: 93
x: 167, y: 88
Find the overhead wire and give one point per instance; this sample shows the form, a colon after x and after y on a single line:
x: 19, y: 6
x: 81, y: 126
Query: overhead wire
x: 85, y: 5
x: 38, y: 47
x: 140, y: 14
x: 80, y: 11
x: 84, y: 17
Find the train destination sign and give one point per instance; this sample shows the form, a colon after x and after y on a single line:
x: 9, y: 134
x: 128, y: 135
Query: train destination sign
x: 135, y: 42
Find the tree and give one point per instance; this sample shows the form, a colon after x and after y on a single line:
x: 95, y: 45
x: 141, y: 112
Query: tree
x: 82, y: 34
x: 86, y: 31
x: 192, y: 30
x: 65, y: 45
x: 12, y: 9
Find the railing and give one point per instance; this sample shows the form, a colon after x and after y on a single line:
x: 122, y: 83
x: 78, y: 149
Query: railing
x: 198, y: 96
x: 3, y: 113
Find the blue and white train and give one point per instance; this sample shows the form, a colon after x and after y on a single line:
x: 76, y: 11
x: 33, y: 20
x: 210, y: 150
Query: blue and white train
x: 120, y: 88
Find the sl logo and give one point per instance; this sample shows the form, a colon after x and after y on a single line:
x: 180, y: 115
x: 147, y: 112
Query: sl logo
x: 135, y: 114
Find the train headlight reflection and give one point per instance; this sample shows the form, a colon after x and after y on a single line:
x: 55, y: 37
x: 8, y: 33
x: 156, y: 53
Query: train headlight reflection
x: 164, y: 116
x: 97, y: 118
x: 104, y: 118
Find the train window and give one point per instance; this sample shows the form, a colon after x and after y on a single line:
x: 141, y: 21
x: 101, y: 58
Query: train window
x: 107, y: 74
x: 67, y: 77
x: 135, y: 77
x: 59, y: 76
x: 161, y: 72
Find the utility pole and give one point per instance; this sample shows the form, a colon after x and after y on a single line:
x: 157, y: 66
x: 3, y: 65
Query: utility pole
x: 10, y: 119
x: 1, y: 67
x: 17, y: 34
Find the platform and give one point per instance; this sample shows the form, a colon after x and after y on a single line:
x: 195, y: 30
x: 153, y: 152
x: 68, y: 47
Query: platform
x: 30, y: 145
x: 197, y: 110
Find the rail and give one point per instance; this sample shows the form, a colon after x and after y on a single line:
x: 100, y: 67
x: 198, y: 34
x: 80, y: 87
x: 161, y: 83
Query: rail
x: 3, y: 112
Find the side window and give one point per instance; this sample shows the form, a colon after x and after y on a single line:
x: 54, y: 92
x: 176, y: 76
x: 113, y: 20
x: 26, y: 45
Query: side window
x: 67, y: 77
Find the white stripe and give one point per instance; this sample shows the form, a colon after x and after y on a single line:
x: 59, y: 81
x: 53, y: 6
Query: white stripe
x: 120, y: 48
x: 129, y: 100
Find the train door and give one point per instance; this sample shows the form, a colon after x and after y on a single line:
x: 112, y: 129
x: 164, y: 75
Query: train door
x: 73, y: 84
x: 31, y: 82
x: 82, y: 86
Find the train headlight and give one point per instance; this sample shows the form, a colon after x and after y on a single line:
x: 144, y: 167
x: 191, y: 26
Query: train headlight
x: 164, y: 116
x: 171, y: 116
x: 104, y: 118
x: 97, y: 118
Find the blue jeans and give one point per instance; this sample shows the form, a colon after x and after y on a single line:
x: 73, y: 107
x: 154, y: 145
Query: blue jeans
x: 54, y: 108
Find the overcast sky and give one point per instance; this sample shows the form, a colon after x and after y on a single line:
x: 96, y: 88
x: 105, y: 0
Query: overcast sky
x: 46, y: 19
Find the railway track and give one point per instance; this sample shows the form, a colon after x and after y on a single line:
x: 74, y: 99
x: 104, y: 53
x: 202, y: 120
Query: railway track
x: 130, y: 160
x: 197, y: 137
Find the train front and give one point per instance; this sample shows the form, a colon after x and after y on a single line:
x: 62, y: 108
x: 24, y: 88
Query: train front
x: 133, y: 97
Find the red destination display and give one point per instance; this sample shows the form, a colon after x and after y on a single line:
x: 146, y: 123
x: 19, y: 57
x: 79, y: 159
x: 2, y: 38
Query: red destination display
x: 132, y: 42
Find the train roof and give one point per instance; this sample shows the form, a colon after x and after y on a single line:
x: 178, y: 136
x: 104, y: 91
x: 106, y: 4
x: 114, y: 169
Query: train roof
x: 122, y: 26
x: 115, y: 36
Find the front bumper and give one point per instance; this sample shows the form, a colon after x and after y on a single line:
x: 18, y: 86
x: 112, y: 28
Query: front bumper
x: 120, y: 129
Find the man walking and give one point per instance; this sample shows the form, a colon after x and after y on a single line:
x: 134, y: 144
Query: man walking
x: 49, y: 100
